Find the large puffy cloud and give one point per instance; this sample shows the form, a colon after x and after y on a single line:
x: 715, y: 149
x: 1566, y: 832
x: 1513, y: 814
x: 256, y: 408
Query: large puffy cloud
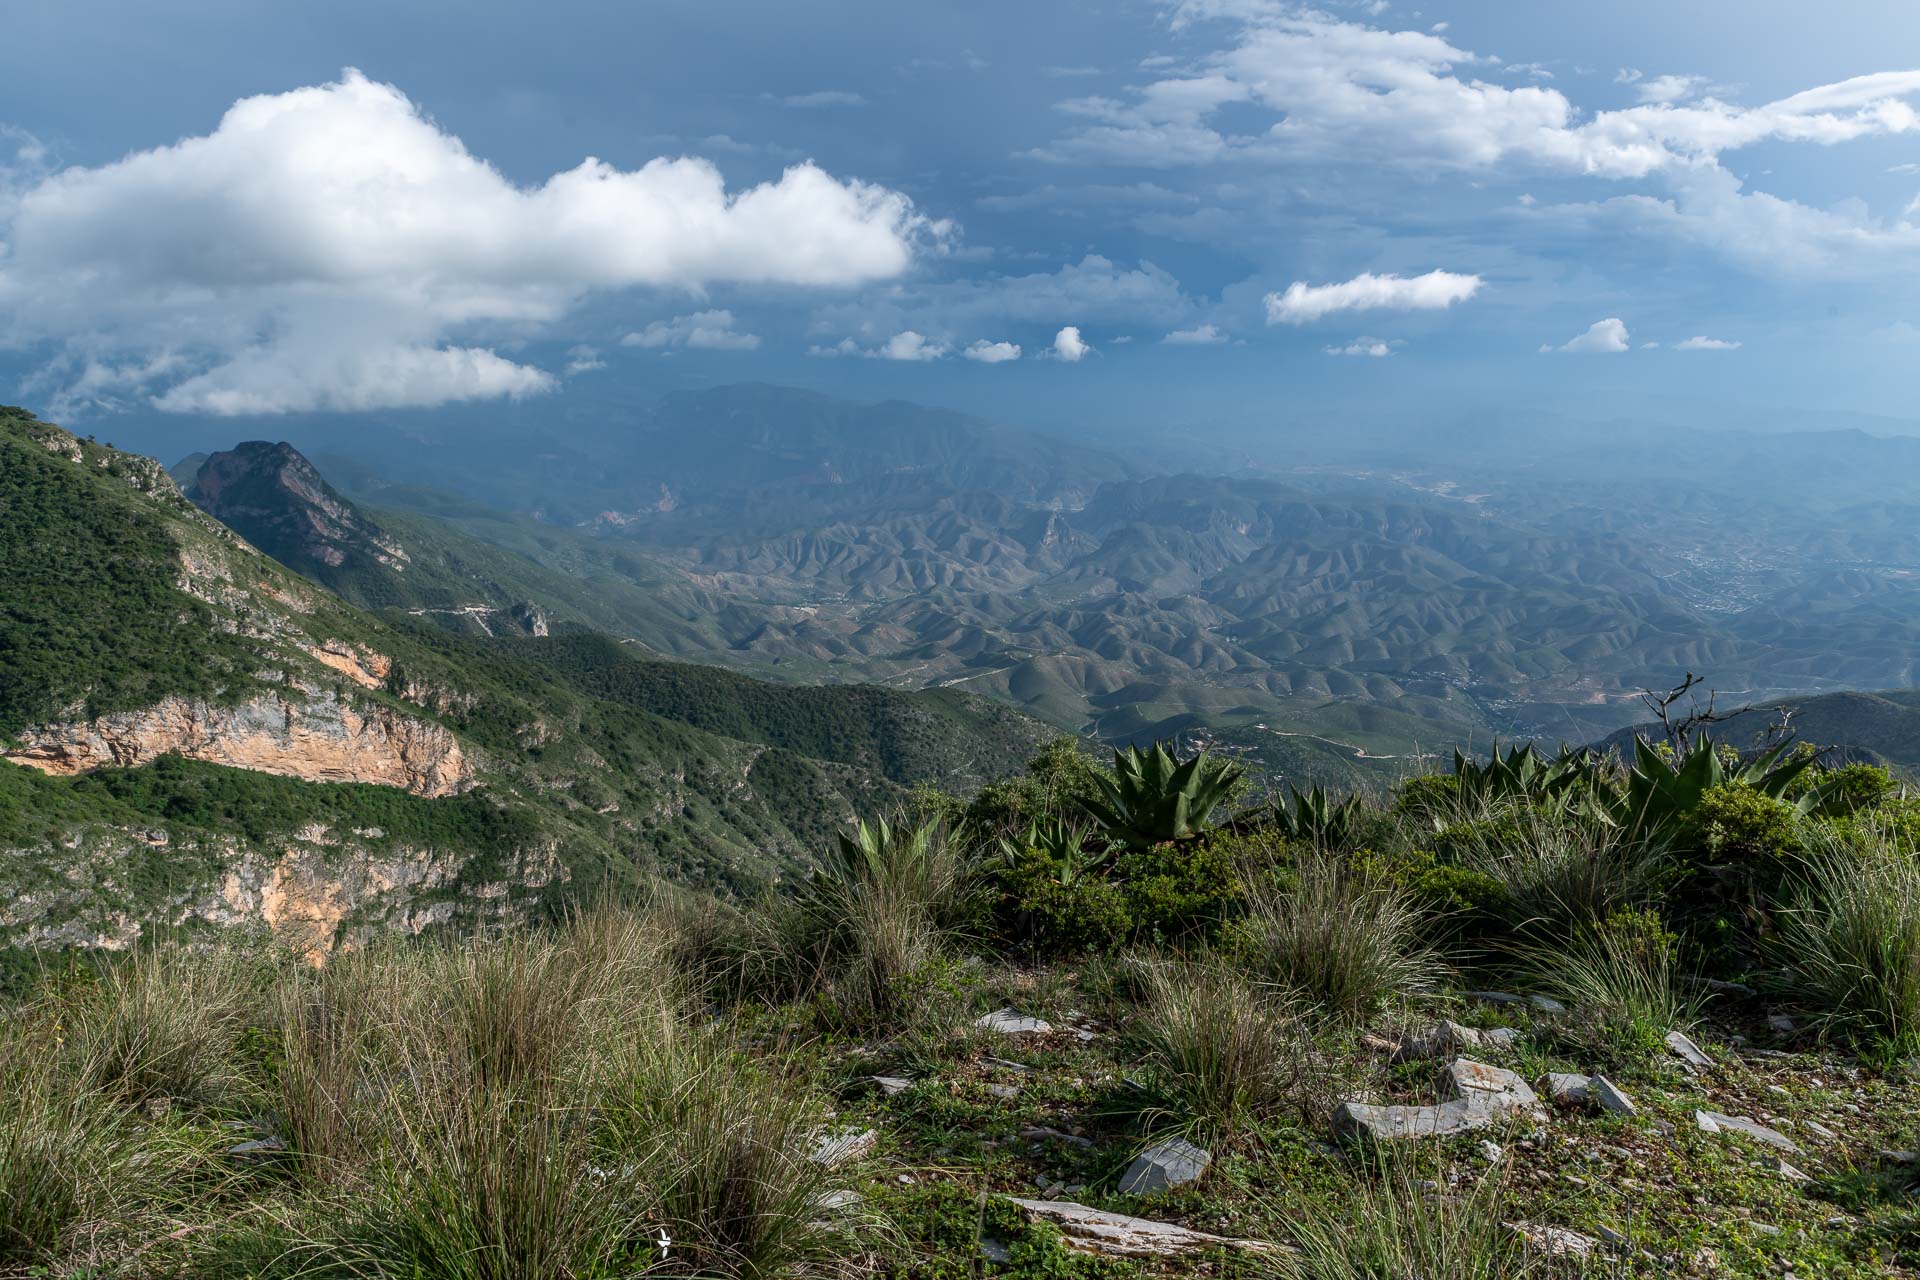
x: 1340, y: 88
x: 335, y: 233
x: 1303, y: 303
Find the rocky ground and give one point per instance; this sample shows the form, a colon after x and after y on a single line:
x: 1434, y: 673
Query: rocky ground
x: 1012, y: 1148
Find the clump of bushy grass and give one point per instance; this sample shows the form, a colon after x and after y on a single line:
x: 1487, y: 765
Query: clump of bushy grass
x: 1397, y: 1229
x: 167, y: 1022
x: 538, y: 1104
x: 1558, y: 869
x: 80, y: 1181
x: 1220, y: 1051
x: 869, y: 931
x: 1851, y: 942
x: 1621, y: 981
x: 1335, y: 940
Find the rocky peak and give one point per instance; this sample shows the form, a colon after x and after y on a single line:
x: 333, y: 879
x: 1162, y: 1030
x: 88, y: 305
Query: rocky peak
x: 276, y: 499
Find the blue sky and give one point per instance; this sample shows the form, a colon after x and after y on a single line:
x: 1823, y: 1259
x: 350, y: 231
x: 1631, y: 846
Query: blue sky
x: 1218, y: 212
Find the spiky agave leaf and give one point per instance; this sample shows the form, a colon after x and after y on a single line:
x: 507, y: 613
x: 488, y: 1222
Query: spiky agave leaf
x: 1153, y: 797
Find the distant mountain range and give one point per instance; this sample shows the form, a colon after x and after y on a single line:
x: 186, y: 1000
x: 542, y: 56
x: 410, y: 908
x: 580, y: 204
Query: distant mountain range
x: 1330, y: 619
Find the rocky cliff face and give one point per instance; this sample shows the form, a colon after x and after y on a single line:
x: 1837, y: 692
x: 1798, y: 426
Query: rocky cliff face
x: 319, y: 892
x: 299, y: 732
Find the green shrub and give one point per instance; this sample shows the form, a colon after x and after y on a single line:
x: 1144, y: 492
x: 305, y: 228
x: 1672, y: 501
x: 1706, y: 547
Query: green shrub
x: 1046, y: 915
x: 1184, y: 891
x: 1557, y: 871
x: 1469, y: 897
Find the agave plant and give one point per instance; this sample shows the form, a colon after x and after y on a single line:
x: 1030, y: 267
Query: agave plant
x: 1663, y: 789
x: 1060, y: 844
x: 1523, y: 774
x: 1317, y: 821
x: 1154, y: 798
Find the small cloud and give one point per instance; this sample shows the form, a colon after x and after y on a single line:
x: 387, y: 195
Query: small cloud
x: 1700, y: 342
x: 1532, y: 70
x: 818, y: 99
x: 1068, y: 345
x: 583, y: 359
x: 1303, y: 303
x: 1202, y: 336
x: 1648, y: 346
x: 1157, y: 61
x: 1120, y: 341
x: 992, y: 352
x: 1071, y: 73
x: 1375, y: 348
x: 1627, y: 75
x: 702, y: 331
x: 1527, y: 200
x: 1438, y: 27
x: 1909, y: 168
x: 1603, y: 337
x: 909, y: 345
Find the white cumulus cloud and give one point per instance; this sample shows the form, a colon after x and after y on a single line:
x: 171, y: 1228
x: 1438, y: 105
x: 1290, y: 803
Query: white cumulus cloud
x: 702, y: 331
x: 992, y: 352
x: 1603, y: 337
x: 333, y: 248
x: 1303, y: 303
x: 1700, y: 342
x: 1068, y: 345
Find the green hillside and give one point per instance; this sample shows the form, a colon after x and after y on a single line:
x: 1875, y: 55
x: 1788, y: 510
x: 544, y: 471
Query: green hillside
x: 566, y: 769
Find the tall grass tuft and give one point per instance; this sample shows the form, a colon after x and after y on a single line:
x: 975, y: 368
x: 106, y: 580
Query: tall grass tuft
x: 870, y: 927
x: 1559, y: 869
x: 1336, y: 941
x: 1621, y: 979
x: 1398, y: 1230
x: 1851, y: 943
x: 80, y: 1184
x: 167, y: 1022
x: 1220, y: 1051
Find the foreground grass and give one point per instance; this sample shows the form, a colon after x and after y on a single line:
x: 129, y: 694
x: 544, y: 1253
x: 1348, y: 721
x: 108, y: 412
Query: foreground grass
x: 571, y: 1103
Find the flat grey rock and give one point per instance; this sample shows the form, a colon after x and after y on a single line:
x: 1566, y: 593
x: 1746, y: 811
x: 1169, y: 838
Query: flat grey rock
x: 890, y: 1085
x: 1116, y: 1235
x: 1172, y: 1162
x: 1610, y: 1097
x: 1480, y: 1094
x: 1488, y: 1086
x: 1687, y: 1051
x: 257, y: 1149
x: 1392, y: 1123
x: 1004, y: 1091
x: 843, y: 1146
x: 1555, y: 1242
x: 1009, y: 1022
x: 1445, y: 1037
x: 1568, y: 1088
x: 1717, y: 1122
